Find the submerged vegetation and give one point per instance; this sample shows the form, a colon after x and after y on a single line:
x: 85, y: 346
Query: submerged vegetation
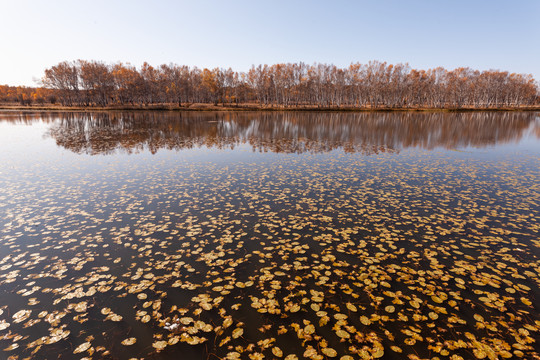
x: 374, y: 85
x: 402, y: 253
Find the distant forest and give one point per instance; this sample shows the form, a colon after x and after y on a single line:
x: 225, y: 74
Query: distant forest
x: 371, y: 86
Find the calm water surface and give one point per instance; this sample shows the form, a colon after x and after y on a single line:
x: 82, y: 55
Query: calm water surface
x: 269, y: 235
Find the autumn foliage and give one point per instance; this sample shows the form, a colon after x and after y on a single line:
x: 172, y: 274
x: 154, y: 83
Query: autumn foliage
x: 373, y: 85
x: 26, y: 95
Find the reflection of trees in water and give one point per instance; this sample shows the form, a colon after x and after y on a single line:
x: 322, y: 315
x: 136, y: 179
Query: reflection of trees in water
x: 292, y: 132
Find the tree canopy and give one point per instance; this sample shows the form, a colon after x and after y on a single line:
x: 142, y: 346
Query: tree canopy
x: 372, y: 85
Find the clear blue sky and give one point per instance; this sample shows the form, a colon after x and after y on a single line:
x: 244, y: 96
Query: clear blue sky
x: 483, y: 35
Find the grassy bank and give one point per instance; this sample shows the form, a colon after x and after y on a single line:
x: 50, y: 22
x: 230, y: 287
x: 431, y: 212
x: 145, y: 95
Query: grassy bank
x: 248, y: 107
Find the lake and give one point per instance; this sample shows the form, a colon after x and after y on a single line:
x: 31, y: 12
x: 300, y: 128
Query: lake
x: 251, y: 235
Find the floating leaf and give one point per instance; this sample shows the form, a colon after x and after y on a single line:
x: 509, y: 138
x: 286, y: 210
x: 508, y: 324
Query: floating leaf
x: 309, y: 329
x: 82, y: 348
x: 277, y: 351
x: 237, y: 333
x: 129, y: 341
x: 291, y: 357
x: 329, y: 352
x: 159, y: 345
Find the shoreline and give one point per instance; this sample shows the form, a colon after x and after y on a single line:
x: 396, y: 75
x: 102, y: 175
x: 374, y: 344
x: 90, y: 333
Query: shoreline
x: 255, y: 108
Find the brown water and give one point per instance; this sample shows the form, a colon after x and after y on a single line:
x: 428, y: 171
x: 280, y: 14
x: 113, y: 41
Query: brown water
x: 315, y: 235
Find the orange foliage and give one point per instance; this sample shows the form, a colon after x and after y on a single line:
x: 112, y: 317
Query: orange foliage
x: 373, y: 85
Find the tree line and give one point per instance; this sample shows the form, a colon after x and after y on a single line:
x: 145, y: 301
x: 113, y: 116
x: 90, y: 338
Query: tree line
x: 372, y: 85
x: 26, y: 95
